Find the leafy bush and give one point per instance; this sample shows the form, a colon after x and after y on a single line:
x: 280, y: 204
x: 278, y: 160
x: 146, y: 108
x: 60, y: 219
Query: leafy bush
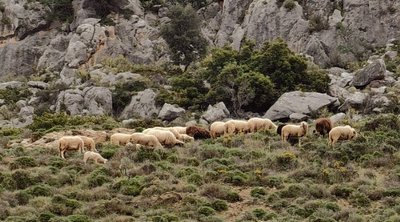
x: 289, y: 4
x: 11, y: 96
x: 183, y: 35
x: 60, y: 9
x: 206, y: 211
x: 79, y: 218
x: 132, y: 186
x: 23, y: 162
x: 98, y: 177
x: 123, y: 92
x: 258, y: 192
x: 40, y: 190
x: 52, y: 122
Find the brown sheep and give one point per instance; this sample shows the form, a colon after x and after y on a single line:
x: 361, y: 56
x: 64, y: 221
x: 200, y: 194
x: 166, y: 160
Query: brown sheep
x: 341, y: 133
x: 294, y: 130
x: 70, y: 143
x: 198, y: 132
x: 260, y: 124
x: 323, y: 126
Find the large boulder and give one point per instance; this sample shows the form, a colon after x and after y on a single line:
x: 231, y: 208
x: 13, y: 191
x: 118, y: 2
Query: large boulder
x: 373, y: 71
x: 299, y: 102
x: 142, y: 105
x: 216, y: 112
x: 98, y: 100
x: 356, y: 100
x: 170, y: 112
x: 71, y: 101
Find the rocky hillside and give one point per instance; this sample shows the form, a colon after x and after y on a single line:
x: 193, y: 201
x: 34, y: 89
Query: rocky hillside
x: 77, y: 55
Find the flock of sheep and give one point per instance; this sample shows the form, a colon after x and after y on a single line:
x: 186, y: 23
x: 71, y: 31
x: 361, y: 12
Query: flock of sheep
x: 158, y: 137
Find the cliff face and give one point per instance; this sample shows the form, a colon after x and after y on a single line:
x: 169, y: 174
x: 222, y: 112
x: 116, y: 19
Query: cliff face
x: 332, y: 32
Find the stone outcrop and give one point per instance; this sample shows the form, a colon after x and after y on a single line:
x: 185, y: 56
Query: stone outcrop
x: 299, y: 102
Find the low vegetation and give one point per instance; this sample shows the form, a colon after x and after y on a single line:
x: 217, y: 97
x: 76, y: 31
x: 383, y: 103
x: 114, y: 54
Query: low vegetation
x: 252, y: 177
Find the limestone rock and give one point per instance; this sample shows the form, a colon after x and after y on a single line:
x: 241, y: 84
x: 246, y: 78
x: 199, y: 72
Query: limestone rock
x: 337, y: 117
x: 216, y: 112
x: 98, y: 100
x: 374, y: 71
x: 298, y: 102
x: 142, y: 105
x: 170, y: 112
x: 38, y: 84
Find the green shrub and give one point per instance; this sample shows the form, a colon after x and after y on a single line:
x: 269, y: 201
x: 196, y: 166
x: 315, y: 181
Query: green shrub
x: 317, y: 23
x: 289, y: 4
x: 45, y: 217
x: 146, y: 154
x: 206, y: 211
x: 11, y: 96
x: 98, y: 177
x: 259, y: 213
x: 342, y: 191
x: 63, y: 206
x: 40, y: 190
x: 274, y: 182
x: 23, y: 179
x: 22, y: 197
x: 23, y: 162
x: 132, y: 186
x: 258, y: 192
x: 109, y: 150
x: 79, y: 218
x: 196, y: 179
x: 359, y: 199
x: 219, y: 205
x: 123, y: 92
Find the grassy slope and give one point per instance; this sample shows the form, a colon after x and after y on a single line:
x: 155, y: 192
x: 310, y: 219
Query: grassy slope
x: 242, y: 178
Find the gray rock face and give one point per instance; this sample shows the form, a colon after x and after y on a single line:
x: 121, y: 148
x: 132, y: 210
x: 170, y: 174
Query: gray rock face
x: 38, y: 84
x: 11, y: 85
x: 356, y: 100
x: 298, y: 102
x: 337, y: 117
x: 170, y: 112
x: 216, y: 112
x: 98, y: 100
x: 90, y: 101
x: 298, y: 117
x: 374, y: 71
x: 353, y: 27
x: 71, y: 101
x: 142, y: 105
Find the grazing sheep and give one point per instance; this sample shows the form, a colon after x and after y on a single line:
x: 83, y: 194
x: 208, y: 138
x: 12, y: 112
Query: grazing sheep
x: 145, y: 140
x: 165, y: 137
x: 291, y: 139
x: 180, y: 129
x: 294, y: 130
x: 70, y: 143
x: 89, y: 143
x: 171, y: 129
x: 260, y: 124
x: 341, y: 133
x: 217, y: 129
x: 187, y: 138
x: 197, y: 132
x: 120, y: 139
x: 89, y: 155
x: 236, y: 126
x: 322, y: 126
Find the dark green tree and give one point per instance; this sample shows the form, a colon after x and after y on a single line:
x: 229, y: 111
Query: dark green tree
x: 183, y: 35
